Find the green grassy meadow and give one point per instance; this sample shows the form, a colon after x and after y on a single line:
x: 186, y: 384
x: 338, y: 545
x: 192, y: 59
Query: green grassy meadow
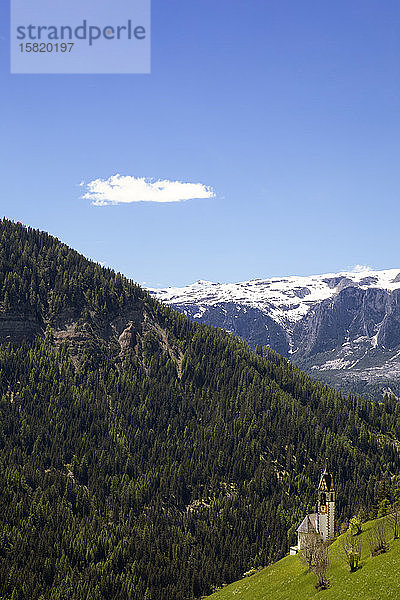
x: 377, y: 579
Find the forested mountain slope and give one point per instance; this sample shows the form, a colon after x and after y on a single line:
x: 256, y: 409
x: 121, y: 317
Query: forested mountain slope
x: 146, y: 456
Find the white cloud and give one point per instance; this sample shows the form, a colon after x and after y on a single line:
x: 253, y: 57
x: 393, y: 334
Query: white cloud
x: 120, y: 189
x: 361, y: 268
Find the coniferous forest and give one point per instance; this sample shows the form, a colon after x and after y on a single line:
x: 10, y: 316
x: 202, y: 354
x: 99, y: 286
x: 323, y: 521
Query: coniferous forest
x: 143, y: 456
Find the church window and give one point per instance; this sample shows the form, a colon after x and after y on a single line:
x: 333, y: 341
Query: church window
x: 322, y: 499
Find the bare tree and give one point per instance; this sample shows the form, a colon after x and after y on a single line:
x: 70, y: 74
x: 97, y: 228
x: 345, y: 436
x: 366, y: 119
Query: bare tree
x: 320, y: 565
x: 377, y: 539
x: 315, y: 556
x: 311, y: 542
x: 393, y: 519
x: 350, y: 551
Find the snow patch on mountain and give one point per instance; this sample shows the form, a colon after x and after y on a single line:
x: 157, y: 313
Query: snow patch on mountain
x: 285, y: 299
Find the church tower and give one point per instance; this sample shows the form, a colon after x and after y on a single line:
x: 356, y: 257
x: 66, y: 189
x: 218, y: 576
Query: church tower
x: 326, y: 506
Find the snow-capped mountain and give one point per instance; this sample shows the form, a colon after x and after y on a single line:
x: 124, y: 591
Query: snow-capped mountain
x: 342, y: 327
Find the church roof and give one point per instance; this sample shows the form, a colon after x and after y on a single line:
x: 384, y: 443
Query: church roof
x: 309, y: 524
x: 326, y: 482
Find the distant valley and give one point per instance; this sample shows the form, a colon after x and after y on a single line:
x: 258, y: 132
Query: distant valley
x: 342, y: 328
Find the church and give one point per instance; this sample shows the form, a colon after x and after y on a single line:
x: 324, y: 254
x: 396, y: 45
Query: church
x: 323, y: 521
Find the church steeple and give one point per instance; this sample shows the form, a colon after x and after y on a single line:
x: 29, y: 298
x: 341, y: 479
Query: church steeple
x: 326, y: 505
x: 323, y: 521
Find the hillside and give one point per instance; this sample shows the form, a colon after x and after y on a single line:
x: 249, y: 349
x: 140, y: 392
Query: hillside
x: 342, y: 328
x: 288, y: 579
x: 143, y: 456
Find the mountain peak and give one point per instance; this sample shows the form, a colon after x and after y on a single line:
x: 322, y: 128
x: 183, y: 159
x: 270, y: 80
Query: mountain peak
x: 343, y: 325
x: 287, y: 299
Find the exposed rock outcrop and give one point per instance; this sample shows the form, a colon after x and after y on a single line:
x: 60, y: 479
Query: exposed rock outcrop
x: 19, y: 326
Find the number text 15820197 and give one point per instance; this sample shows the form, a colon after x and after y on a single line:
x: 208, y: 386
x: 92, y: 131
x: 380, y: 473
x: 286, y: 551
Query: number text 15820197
x: 49, y: 47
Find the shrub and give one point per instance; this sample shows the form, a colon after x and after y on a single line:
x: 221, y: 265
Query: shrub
x: 351, y: 551
x: 355, y: 525
x: 377, y: 539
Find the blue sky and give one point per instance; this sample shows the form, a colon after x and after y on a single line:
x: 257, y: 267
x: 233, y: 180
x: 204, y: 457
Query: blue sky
x: 288, y: 110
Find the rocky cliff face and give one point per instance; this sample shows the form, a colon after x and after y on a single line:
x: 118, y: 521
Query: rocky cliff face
x: 124, y: 330
x: 251, y: 324
x: 342, y: 328
x: 353, y: 340
x: 352, y: 314
x: 17, y: 326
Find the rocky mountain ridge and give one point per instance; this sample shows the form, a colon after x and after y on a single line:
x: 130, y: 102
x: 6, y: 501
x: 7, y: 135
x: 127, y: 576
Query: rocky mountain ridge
x: 343, y: 328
